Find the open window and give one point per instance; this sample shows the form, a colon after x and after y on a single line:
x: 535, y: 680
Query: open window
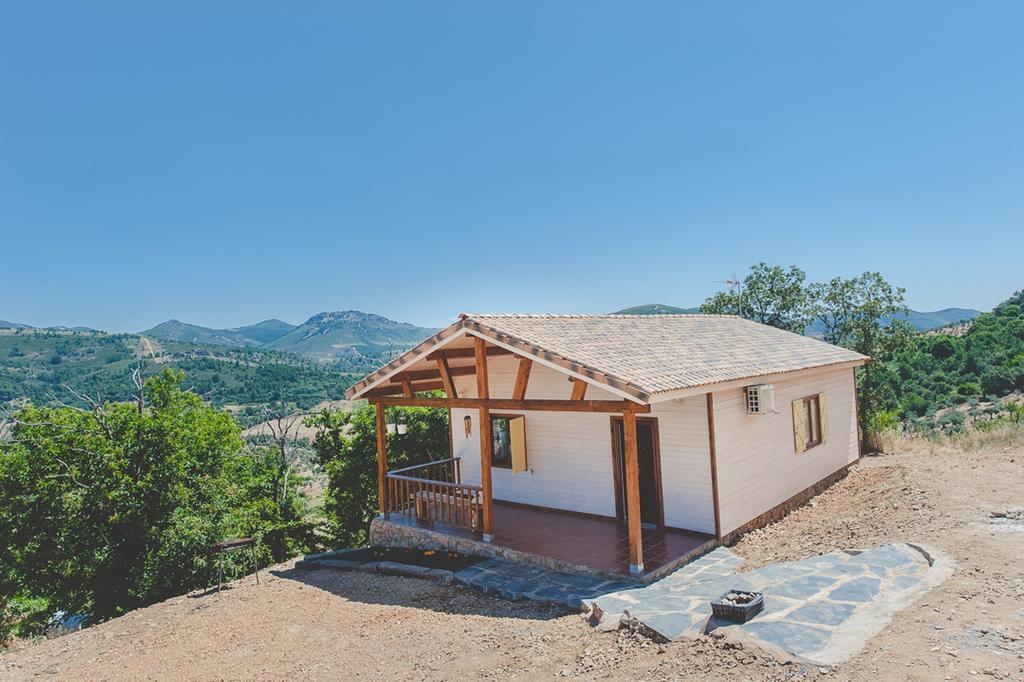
x: 810, y: 422
x: 508, y: 442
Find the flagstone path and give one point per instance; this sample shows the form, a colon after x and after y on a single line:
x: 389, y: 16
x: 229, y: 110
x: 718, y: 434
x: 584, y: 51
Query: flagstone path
x: 820, y: 610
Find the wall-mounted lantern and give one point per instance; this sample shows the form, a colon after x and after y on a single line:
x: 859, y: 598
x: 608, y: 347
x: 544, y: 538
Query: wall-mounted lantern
x: 467, y: 423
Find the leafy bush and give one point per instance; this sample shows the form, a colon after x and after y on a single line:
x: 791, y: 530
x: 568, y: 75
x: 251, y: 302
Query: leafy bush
x: 346, y: 447
x: 114, y: 507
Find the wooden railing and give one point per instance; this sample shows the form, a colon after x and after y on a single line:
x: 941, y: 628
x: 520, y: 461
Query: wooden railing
x: 434, y: 493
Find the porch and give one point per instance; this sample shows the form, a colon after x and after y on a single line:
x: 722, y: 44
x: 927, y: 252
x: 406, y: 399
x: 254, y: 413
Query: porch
x: 433, y: 499
x: 441, y: 512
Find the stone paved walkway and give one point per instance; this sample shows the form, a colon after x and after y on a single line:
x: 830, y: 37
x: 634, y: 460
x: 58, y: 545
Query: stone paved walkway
x: 820, y: 610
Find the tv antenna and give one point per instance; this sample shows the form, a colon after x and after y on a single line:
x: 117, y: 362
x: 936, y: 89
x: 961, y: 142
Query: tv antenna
x: 735, y: 284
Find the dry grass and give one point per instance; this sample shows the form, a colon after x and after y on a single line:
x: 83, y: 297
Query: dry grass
x: 1005, y: 434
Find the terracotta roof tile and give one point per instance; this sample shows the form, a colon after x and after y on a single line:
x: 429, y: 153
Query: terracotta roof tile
x: 649, y: 354
x: 658, y: 353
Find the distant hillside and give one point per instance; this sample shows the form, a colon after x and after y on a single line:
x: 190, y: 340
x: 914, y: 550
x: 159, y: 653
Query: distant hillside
x: 17, y: 325
x: 350, y: 336
x: 655, y: 309
x: 264, y: 332
x: 940, y: 318
x: 253, y: 335
x: 355, y: 340
x: 37, y: 364
x: 923, y: 321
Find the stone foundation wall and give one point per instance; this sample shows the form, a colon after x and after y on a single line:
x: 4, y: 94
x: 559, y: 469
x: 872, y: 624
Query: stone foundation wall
x: 387, y: 533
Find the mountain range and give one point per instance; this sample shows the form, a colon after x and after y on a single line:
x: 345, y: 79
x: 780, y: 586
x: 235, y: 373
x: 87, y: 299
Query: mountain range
x: 353, y: 340
x: 252, y: 335
x: 922, y: 321
x: 326, y: 337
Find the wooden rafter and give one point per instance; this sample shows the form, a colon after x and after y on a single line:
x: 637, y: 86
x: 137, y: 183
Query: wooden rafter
x: 579, y: 389
x: 446, y: 376
x: 435, y: 374
x: 522, y: 378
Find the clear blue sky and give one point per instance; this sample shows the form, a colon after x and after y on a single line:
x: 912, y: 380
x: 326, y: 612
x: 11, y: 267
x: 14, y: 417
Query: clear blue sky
x: 227, y: 162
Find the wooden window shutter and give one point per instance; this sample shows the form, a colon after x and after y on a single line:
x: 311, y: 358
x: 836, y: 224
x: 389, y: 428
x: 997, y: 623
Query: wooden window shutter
x: 823, y: 412
x: 517, y: 428
x: 799, y: 427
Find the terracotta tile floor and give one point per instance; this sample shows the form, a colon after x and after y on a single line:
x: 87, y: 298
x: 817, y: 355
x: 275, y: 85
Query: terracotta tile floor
x: 598, y: 542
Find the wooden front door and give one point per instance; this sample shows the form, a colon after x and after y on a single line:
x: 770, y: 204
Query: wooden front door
x: 649, y: 461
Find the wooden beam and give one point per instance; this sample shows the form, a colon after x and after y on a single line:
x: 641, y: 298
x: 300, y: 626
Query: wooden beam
x: 483, y: 394
x: 446, y: 377
x: 432, y: 374
x: 382, y: 456
x: 522, y: 378
x: 467, y: 352
x: 602, y: 406
x: 636, y: 544
x: 713, y: 445
x: 407, y: 388
x: 579, y: 389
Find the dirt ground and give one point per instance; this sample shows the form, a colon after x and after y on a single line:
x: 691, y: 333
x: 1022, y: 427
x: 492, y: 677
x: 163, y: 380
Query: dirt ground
x: 327, y: 625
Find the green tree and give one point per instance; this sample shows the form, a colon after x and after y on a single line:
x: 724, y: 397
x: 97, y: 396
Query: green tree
x: 346, y: 447
x: 858, y: 313
x: 771, y: 295
x: 113, y: 506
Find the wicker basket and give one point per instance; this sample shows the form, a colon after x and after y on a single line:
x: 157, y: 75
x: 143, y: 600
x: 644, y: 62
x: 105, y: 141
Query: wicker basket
x: 739, y: 613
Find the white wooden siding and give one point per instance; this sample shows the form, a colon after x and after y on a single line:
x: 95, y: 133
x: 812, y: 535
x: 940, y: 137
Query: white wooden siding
x: 758, y: 466
x: 570, y: 453
x: 686, y: 463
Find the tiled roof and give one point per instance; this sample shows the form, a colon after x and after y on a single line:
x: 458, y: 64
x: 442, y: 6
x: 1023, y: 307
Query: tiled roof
x: 649, y: 354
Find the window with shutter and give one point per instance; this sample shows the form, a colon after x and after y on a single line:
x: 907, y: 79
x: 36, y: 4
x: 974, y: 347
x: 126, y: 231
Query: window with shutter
x: 809, y: 422
x: 508, y: 442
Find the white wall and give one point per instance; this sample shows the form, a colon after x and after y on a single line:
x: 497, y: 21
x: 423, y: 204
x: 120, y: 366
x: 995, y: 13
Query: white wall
x: 686, y: 463
x: 569, y: 454
x: 758, y: 466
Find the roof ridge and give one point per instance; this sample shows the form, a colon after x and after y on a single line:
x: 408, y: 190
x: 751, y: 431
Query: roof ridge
x: 613, y: 316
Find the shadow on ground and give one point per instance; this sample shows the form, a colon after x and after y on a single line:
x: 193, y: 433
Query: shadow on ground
x: 402, y: 591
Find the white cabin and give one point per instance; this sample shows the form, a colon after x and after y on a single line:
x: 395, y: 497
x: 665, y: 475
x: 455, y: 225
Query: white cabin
x: 674, y: 432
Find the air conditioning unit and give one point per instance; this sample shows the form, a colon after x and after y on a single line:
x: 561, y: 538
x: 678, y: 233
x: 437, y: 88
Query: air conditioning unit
x: 760, y: 399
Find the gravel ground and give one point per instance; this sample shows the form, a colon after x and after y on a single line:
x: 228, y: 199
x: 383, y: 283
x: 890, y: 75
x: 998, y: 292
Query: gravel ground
x: 327, y: 625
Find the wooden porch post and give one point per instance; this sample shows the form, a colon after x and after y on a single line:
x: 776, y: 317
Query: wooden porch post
x: 636, y: 544
x: 382, y: 457
x: 713, y: 450
x: 483, y: 393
